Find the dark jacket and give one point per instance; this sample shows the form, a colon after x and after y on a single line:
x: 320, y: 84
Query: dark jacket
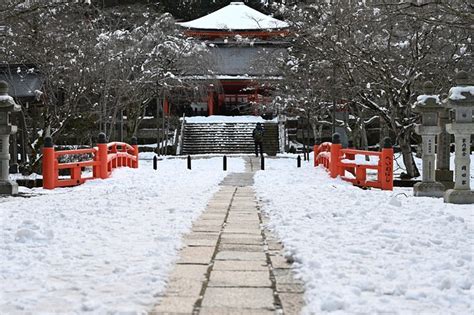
x: 258, y: 133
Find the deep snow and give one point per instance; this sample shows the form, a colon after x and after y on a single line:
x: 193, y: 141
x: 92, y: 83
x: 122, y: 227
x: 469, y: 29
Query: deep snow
x: 108, y: 245
x: 369, y: 251
x: 105, y: 246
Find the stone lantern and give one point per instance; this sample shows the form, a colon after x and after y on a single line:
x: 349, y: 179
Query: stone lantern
x: 429, y: 106
x: 7, y: 105
x: 461, y: 100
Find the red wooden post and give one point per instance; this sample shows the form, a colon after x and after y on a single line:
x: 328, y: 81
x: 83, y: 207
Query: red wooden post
x: 361, y: 175
x: 336, y: 147
x: 76, y: 173
x: 49, y: 165
x: 385, y: 169
x: 210, y: 103
x: 166, y: 107
x: 103, y: 156
x: 315, y: 152
x: 135, y: 152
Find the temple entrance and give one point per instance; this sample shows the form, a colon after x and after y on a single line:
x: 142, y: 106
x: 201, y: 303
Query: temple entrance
x: 238, y: 98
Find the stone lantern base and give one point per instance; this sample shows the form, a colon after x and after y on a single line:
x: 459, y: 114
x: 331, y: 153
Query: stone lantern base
x: 429, y: 189
x: 8, y: 187
x: 460, y: 197
x: 445, y: 177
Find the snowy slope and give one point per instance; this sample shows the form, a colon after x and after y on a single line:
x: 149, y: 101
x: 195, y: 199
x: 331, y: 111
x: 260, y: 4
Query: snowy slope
x: 105, y: 246
x: 369, y: 251
x: 235, y: 16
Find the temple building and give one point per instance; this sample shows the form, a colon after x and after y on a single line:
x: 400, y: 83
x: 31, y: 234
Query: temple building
x: 241, y: 41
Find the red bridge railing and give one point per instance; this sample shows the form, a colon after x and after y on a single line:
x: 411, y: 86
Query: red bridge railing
x: 338, y: 161
x: 105, y: 157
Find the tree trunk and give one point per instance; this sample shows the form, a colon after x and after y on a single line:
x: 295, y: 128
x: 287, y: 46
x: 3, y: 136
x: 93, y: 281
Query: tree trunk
x: 408, y: 160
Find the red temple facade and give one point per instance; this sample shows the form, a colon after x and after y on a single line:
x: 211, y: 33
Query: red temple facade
x: 239, y: 39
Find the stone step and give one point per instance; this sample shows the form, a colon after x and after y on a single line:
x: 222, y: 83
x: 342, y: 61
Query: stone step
x: 227, y: 138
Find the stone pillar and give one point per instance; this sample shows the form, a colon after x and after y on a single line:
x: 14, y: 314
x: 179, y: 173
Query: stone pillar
x: 429, y: 106
x: 443, y: 174
x: 7, y: 105
x: 461, y: 100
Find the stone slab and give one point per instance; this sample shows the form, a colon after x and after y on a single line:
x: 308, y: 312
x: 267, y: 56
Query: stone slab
x: 184, y: 287
x: 289, y: 288
x: 238, y: 180
x: 246, y: 198
x: 285, y: 276
x: 194, y: 272
x: 212, y: 216
x: 206, y: 228
x: 250, y: 240
x: 247, y: 225
x: 233, y: 311
x: 216, y: 209
x: 252, y: 216
x: 240, y: 247
x: 175, y: 305
x: 201, y: 222
x: 243, y: 230
x: 272, y: 245
x: 242, y: 298
x: 279, y: 262
x: 245, y: 191
x: 292, y: 303
x: 200, y: 242
x: 237, y: 265
x: 228, y: 278
x: 246, y: 256
x: 196, y: 255
x: 203, y: 235
x: 234, y: 222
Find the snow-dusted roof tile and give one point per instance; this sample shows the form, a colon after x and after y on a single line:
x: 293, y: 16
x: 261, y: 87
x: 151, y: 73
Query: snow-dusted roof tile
x: 235, y: 16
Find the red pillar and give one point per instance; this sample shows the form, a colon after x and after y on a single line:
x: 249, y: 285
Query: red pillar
x: 50, y: 174
x: 385, y: 169
x: 334, y: 168
x: 315, y: 152
x: 166, y: 107
x: 210, y: 103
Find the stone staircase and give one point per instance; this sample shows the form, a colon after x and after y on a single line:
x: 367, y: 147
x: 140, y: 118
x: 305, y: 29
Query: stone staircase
x: 226, y: 138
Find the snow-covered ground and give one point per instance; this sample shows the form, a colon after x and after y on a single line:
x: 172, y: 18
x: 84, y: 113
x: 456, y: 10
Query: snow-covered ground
x: 369, y: 251
x: 105, y: 246
x: 108, y: 245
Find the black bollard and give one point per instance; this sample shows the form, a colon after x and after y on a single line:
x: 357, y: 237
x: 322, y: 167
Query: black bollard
x: 189, y: 162
x: 298, y: 161
x: 155, y: 162
x: 224, y: 161
x: 262, y: 162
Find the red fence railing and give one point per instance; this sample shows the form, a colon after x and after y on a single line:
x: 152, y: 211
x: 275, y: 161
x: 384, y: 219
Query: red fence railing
x: 338, y: 161
x: 105, y: 157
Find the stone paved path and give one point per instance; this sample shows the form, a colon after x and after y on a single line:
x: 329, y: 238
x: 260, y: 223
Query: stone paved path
x: 230, y: 264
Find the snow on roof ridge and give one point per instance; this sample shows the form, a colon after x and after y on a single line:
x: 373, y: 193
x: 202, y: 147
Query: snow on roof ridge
x: 235, y: 16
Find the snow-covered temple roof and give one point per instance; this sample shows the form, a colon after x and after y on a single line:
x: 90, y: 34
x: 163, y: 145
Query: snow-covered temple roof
x: 235, y: 16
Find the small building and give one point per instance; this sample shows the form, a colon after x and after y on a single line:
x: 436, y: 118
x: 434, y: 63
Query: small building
x: 241, y: 41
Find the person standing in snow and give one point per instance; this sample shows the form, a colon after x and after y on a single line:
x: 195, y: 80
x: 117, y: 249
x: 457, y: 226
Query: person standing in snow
x: 257, y: 136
